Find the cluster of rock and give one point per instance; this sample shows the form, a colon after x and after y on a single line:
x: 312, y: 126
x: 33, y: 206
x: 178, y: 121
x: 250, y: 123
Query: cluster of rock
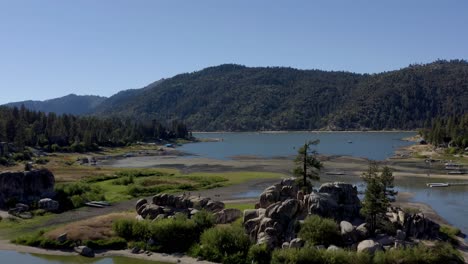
x: 167, y: 205
x: 26, y: 187
x: 282, y: 207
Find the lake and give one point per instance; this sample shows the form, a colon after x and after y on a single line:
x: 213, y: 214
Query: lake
x: 448, y: 202
x: 371, y: 145
x: 26, y: 258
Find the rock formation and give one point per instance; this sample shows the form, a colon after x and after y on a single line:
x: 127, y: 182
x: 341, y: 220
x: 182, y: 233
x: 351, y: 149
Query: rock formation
x: 282, y: 206
x: 167, y: 205
x: 26, y: 187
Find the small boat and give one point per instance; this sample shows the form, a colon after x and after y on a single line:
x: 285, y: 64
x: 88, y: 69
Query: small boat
x: 335, y: 173
x: 349, y: 142
x: 103, y: 203
x: 437, y: 184
x: 94, y: 204
x: 457, y: 172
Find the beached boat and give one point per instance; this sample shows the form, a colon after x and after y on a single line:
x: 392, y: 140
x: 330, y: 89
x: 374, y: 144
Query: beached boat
x: 437, y: 184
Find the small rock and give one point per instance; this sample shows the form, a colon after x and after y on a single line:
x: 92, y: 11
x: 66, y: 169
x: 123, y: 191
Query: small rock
x: 296, y: 243
x: 62, y: 238
x: 400, y: 235
x: 85, y: 251
x: 333, y: 248
x: 136, y: 250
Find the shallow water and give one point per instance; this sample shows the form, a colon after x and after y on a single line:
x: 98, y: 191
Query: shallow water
x: 371, y: 145
x: 26, y: 258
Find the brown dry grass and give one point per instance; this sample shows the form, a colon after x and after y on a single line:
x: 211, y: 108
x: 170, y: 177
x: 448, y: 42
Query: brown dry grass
x: 99, y: 227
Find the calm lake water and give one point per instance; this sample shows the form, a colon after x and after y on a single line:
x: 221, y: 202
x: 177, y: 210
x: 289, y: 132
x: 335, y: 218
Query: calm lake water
x: 25, y: 258
x: 448, y: 202
x: 371, y: 145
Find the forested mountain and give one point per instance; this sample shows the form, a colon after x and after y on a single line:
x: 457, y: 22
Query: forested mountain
x: 70, y: 104
x: 54, y: 132
x: 233, y: 97
x: 237, y: 98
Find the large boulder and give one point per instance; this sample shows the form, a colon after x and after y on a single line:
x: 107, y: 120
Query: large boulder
x: 418, y: 226
x: 369, y: 246
x: 26, y: 187
x: 226, y: 216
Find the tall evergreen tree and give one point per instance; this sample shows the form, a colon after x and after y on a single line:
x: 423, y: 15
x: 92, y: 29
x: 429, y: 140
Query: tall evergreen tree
x: 307, y: 163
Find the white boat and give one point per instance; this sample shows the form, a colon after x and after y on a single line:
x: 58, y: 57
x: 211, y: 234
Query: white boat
x: 437, y: 184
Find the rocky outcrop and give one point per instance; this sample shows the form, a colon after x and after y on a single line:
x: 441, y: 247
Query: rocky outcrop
x: 334, y: 200
x: 282, y: 205
x: 167, y: 205
x: 26, y: 187
x: 413, y: 225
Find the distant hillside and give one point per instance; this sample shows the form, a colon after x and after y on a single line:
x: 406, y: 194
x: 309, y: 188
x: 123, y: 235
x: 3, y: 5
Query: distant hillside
x: 236, y: 98
x: 70, y: 104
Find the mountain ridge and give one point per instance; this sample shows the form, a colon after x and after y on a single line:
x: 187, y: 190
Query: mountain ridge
x: 232, y: 97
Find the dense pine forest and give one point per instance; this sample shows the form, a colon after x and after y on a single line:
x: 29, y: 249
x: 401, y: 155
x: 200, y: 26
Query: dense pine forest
x: 451, y: 131
x: 53, y: 132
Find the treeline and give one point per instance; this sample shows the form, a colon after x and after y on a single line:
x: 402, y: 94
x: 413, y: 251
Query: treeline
x: 449, y: 131
x: 53, y: 132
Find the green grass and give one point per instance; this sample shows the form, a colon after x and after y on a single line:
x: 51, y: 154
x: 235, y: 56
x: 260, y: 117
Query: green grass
x: 14, y: 228
x: 451, y: 232
x: 239, y: 177
x: 241, y: 206
x: 151, y: 181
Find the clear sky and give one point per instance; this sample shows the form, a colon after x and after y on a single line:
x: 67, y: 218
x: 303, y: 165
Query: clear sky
x: 50, y: 48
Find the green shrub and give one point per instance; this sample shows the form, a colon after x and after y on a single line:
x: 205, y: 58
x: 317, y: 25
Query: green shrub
x: 320, y: 231
x: 42, y: 161
x: 203, y: 220
x: 131, y: 229
x: 55, y: 148
x: 259, y: 254
x: 4, y: 161
x: 113, y: 243
x: 74, y: 195
x: 21, y: 156
x: 440, y: 253
x: 176, y: 234
x: 124, y: 181
x: 225, y: 244
x: 38, y: 240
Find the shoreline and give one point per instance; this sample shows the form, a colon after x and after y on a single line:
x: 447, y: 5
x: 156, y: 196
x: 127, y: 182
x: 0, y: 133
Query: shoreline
x: 5, y: 245
x: 304, y: 131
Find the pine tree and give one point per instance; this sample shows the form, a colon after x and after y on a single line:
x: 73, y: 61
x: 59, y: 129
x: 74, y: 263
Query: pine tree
x: 377, y: 194
x: 308, y: 166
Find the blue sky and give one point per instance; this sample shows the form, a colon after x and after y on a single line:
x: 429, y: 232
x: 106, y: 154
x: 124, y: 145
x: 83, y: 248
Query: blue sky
x: 51, y: 48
